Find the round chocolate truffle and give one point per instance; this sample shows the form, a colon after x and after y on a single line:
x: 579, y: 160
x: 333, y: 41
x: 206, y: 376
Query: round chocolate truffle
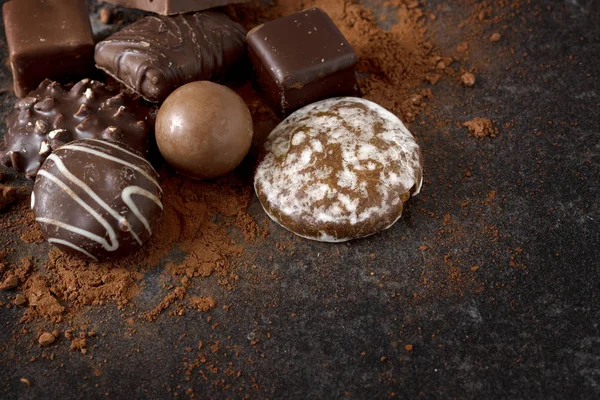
x: 204, y: 130
x: 97, y: 199
x: 338, y: 169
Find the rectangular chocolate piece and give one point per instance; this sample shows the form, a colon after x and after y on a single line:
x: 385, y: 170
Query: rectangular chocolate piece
x: 157, y: 54
x: 171, y: 7
x: 48, y: 39
x: 300, y: 59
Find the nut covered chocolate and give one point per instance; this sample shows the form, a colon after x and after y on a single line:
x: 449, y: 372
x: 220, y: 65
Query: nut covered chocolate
x: 337, y: 170
x: 53, y: 115
x: 157, y: 54
x: 97, y: 199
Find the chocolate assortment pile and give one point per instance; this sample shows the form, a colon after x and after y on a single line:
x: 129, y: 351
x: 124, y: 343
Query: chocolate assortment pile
x: 336, y: 169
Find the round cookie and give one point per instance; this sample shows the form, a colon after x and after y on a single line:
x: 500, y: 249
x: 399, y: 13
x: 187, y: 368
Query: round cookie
x: 204, y: 130
x: 97, y: 199
x: 338, y: 169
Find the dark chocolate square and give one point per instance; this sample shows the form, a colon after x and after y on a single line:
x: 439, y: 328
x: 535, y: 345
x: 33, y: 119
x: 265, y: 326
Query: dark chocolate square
x: 48, y: 39
x: 300, y: 59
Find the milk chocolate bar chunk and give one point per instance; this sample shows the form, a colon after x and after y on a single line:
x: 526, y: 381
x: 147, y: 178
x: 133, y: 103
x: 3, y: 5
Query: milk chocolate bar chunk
x: 170, y: 7
x: 300, y: 59
x: 157, y: 54
x: 48, y: 39
x: 53, y: 115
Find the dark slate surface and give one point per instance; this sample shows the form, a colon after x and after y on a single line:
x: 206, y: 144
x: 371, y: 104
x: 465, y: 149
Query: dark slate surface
x: 524, y: 325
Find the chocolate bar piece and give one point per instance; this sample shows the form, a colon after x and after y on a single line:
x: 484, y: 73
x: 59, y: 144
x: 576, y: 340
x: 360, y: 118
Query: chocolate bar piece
x: 170, y: 7
x: 300, y: 59
x: 52, y: 116
x: 48, y: 39
x: 157, y: 54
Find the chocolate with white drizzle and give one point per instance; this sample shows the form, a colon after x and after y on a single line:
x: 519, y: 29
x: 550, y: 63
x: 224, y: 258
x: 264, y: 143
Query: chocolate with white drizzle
x: 97, y: 199
x: 53, y: 115
x: 338, y: 169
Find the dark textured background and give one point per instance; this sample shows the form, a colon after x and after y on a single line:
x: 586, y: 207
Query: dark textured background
x: 525, y: 325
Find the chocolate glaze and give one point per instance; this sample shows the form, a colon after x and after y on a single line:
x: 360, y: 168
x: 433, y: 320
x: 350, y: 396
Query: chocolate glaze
x: 97, y: 199
x: 300, y: 59
x: 170, y: 7
x: 157, y: 54
x: 48, y: 39
x: 53, y: 115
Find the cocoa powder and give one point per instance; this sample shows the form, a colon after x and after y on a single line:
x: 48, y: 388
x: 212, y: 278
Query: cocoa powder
x: 396, y: 69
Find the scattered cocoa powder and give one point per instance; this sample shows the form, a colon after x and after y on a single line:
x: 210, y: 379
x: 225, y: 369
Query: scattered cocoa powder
x: 46, y: 339
x: 203, y: 303
x: 396, y: 69
x: 20, y: 300
x: 79, y: 345
x: 10, y: 282
x: 468, y: 79
x: 480, y: 127
x: 7, y: 196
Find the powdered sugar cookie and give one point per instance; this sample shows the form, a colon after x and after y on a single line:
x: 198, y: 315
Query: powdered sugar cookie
x: 338, y: 169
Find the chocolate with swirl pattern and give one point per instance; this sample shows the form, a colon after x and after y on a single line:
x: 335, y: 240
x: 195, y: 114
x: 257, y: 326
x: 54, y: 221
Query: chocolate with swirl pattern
x: 157, y: 54
x: 97, y: 199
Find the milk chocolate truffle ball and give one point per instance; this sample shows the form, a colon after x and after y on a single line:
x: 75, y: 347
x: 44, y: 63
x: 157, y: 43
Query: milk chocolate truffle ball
x: 204, y: 130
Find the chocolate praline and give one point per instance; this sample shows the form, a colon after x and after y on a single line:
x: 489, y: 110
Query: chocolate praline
x: 204, y: 130
x: 97, y: 199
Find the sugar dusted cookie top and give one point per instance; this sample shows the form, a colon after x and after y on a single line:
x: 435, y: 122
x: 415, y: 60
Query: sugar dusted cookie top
x: 338, y: 170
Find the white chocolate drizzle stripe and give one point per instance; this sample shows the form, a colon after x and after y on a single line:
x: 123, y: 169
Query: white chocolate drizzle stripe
x: 126, y: 196
x: 111, y: 158
x: 65, y: 171
x: 73, y: 246
x: 111, y: 233
x: 104, y: 142
x: 76, y: 230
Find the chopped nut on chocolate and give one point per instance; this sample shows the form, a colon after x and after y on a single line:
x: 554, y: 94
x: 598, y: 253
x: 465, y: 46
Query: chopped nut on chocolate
x: 53, y: 115
x: 495, y: 37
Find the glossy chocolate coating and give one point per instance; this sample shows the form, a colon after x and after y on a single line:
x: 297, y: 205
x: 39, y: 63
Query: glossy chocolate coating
x: 170, y: 7
x: 204, y: 130
x: 48, y: 39
x: 157, y: 54
x: 97, y: 199
x: 300, y: 59
x: 53, y: 115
